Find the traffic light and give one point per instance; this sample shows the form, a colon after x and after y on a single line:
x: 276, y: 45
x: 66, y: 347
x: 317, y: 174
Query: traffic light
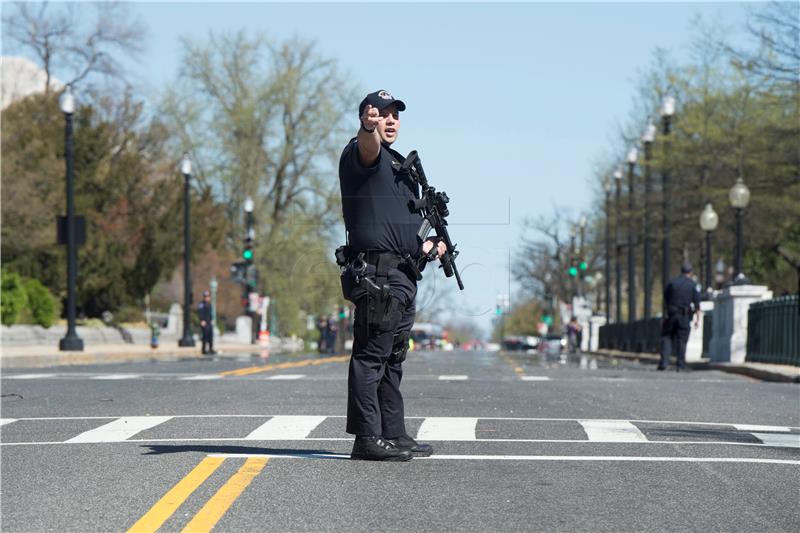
x: 247, y: 253
x: 583, y: 266
x: 547, y: 319
x: 573, y: 271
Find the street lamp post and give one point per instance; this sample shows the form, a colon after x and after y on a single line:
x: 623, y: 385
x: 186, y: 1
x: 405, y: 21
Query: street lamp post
x: 71, y: 341
x: 739, y: 197
x: 647, y: 140
x: 633, y: 155
x: 581, y: 256
x: 607, y: 189
x: 667, y: 110
x: 708, y: 223
x: 573, y: 232
x: 187, y: 339
x: 618, y: 265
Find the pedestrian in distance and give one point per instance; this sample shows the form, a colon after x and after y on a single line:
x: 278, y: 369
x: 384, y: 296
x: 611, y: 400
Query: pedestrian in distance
x: 380, y: 262
x: 322, y: 326
x: 681, y: 301
x: 574, y: 335
x: 206, y: 324
x: 331, y: 330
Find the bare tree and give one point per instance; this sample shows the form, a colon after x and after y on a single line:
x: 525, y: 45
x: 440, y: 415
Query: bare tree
x: 71, y: 43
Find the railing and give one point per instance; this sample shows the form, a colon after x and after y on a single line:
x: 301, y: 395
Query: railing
x: 639, y: 336
x: 773, y: 331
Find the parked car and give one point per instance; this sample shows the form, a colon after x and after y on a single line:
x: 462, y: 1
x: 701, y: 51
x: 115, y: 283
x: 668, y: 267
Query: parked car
x: 520, y: 343
x: 552, y: 345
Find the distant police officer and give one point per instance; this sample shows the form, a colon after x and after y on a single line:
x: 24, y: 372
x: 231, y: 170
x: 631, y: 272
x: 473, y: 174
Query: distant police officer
x: 681, y: 301
x: 380, y: 265
x: 206, y: 323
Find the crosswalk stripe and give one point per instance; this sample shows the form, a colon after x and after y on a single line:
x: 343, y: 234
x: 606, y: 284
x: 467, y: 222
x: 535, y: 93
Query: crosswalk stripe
x: 448, y: 428
x: 534, y: 378
x: 287, y: 376
x: 779, y: 439
x: 120, y: 429
x: 286, y: 428
x: 201, y: 377
x: 752, y: 427
x: 29, y: 376
x: 458, y: 377
x: 117, y: 376
x: 612, y: 431
x: 4, y: 421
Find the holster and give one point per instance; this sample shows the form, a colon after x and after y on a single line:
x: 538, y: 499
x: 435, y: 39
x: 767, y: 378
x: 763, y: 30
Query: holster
x: 374, y: 297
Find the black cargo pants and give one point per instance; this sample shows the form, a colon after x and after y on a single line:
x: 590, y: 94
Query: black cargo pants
x: 674, y: 336
x: 374, y: 401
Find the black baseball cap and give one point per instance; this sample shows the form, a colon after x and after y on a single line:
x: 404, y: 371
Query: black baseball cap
x: 379, y: 100
x: 686, y: 267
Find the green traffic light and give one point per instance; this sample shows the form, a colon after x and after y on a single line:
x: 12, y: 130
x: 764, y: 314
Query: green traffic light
x: 247, y: 254
x: 583, y: 265
x: 573, y: 271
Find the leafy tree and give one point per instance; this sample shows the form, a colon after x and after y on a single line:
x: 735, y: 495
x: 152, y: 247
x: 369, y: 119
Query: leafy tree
x: 266, y: 120
x: 126, y: 186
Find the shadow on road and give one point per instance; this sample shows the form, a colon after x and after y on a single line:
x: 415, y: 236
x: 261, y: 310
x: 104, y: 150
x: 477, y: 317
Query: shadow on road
x: 160, y: 449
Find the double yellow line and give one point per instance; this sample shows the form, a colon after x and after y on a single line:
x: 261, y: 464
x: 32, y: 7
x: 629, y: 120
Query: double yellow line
x: 214, y: 508
x: 279, y: 366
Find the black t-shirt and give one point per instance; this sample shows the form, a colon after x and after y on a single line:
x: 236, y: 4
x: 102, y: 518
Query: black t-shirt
x: 375, y: 203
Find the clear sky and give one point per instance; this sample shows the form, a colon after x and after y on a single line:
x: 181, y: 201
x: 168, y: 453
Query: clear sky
x: 508, y: 104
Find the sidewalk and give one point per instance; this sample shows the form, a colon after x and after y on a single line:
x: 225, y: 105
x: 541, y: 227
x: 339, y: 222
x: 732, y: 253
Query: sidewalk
x: 762, y: 371
x: 42, y: 355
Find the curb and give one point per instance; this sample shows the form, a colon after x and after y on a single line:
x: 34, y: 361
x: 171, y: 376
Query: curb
x: 9, y: 361
x: 758, y: 372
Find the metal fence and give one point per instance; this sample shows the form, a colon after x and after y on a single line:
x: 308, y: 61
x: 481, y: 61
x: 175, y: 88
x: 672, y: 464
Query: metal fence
x: 639, y: 336
x: 773, y: 331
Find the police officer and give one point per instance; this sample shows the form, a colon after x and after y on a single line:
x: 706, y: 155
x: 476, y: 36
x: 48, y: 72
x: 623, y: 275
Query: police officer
x: 681, y: 300
x: 382, y: 238
x: 206, y: 323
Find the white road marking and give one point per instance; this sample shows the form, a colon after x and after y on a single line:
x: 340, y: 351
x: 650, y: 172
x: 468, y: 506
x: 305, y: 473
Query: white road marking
x: 612, y: 431
x: 286, y: 428
x: 120, y: 429
x: 779, y: 439
x: 4, y: 421
x: 448, y: 428
x: 29, y: 376
x: 607, y: 458
x: 456, y: 377
x: 751, y: 427
x: 287, y: 376
x: 116, y: 376
x: 201, y: 377
x: 534, y: 378
x: 350, y: 439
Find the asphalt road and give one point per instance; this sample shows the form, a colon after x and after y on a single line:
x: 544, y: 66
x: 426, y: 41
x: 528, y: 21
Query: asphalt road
x: 520, y: 444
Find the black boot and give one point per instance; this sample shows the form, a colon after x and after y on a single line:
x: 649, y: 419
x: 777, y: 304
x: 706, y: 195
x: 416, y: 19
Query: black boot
x: 404, y: 442
x: 372, y: 448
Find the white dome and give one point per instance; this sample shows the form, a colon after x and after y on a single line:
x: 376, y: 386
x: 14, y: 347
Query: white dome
x: 20, y: 77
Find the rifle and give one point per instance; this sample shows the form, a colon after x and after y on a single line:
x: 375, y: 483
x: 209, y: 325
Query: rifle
x: 433, y: 206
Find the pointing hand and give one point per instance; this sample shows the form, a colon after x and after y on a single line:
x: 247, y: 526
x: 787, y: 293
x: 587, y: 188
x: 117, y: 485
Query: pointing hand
x: 371, y: 118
